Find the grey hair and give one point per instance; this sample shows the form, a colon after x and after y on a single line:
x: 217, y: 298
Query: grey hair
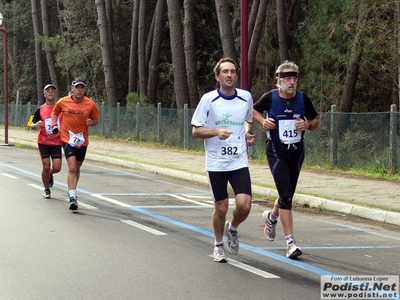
x: 284, y: 66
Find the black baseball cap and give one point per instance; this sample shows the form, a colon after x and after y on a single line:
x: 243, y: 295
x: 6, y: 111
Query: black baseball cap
x: 47, y: 86
x: 78, y: 81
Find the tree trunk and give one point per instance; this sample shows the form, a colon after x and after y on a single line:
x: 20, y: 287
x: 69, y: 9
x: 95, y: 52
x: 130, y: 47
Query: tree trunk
x: 133, y: 56
x: 49, y: 52
x: 398, y: 52
x: 110, y: 27
x: 109, y: 76
x: 142, y: 49
x: 190, y: 52
x: 353, y: 67
x: 178, y: 55
x: 256, y: 38
x: 67, y: 70
x: 155, y: 50
x: 282, y: 35
x: 149, y: 43
x: 253, y: 16
x: 225, y: 29
x: 38, y: 52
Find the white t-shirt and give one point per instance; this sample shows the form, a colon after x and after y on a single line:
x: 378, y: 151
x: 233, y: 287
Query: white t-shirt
x: 215, y: 110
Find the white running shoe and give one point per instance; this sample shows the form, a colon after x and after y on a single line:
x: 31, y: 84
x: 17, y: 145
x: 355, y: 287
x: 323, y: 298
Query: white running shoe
x: 233, y: 239
x: 269, y: 229
x: 293, y: 250
x: 219, y: 254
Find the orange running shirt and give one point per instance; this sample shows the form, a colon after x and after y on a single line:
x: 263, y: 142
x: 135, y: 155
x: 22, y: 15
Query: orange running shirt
x: 74, y: 115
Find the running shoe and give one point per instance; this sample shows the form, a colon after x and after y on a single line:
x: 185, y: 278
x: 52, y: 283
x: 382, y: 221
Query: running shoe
x: 73, y: 204
x: 69, y: 196
x: 219, y: 254
x: 293, y: 250
x: 233, y: 239
x: 269, y: 229
x: 51, y: 180
x: 47, y: 193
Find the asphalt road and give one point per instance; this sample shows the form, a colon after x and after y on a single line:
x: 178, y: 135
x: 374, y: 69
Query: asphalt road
x: 139, y: 235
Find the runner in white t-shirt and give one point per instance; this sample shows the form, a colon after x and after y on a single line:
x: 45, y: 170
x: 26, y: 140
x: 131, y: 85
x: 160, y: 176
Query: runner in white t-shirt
x: 224, y: 119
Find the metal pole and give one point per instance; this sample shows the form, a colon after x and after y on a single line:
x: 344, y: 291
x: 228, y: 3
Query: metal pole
x: 186, y: 126
x: 334, y: 136
x: 5, y: 85
x: 393, y: 138
x: 159, y: 123
x: 244, y: 45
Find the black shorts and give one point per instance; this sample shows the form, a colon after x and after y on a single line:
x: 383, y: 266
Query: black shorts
x: 239, y: 180
x: 79, y: 153
x: 47, y: 151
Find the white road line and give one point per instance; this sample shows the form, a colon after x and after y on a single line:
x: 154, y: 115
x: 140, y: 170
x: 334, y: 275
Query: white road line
x: 157, y: 232
x: 85, y: 205
x: 145, y: 228
x: 189, y: 200
x: 250, y: 269
x: 111, y: 200
x: 148, y: 194
x: 356, y: 228
x: 9, y: 176
x: 80, y: 203
x: 201, y: 197
x: 39, y: 187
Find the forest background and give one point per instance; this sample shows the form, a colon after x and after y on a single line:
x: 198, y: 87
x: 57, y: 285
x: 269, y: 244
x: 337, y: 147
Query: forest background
x: 164, y: 51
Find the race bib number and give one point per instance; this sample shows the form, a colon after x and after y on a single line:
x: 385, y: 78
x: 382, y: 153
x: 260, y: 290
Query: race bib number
x: 76, y: 139
x: 288, y: 133
x: 229, y: 149
x: 47, y: 124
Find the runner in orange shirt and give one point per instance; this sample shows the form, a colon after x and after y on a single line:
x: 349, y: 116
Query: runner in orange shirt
x: 49, y: 144
x: 78, y: 113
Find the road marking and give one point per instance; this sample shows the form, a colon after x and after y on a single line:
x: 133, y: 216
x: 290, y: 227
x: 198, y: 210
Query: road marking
x: 359, y: 229
x: 196, y: 190
x: 151, y: 194
x: 145, y: 228
x: 250, y: 269
x: 85, y: 205
x: 9, y: 176
x: 82, y: 204
x: 35, y: 186
x: 189, y: 200
x: 175, y: 206
x: 260, y: 251
x: 277, y: 257
x: 201, y: 197
x: 333, y: 247
x: 111, y: 200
